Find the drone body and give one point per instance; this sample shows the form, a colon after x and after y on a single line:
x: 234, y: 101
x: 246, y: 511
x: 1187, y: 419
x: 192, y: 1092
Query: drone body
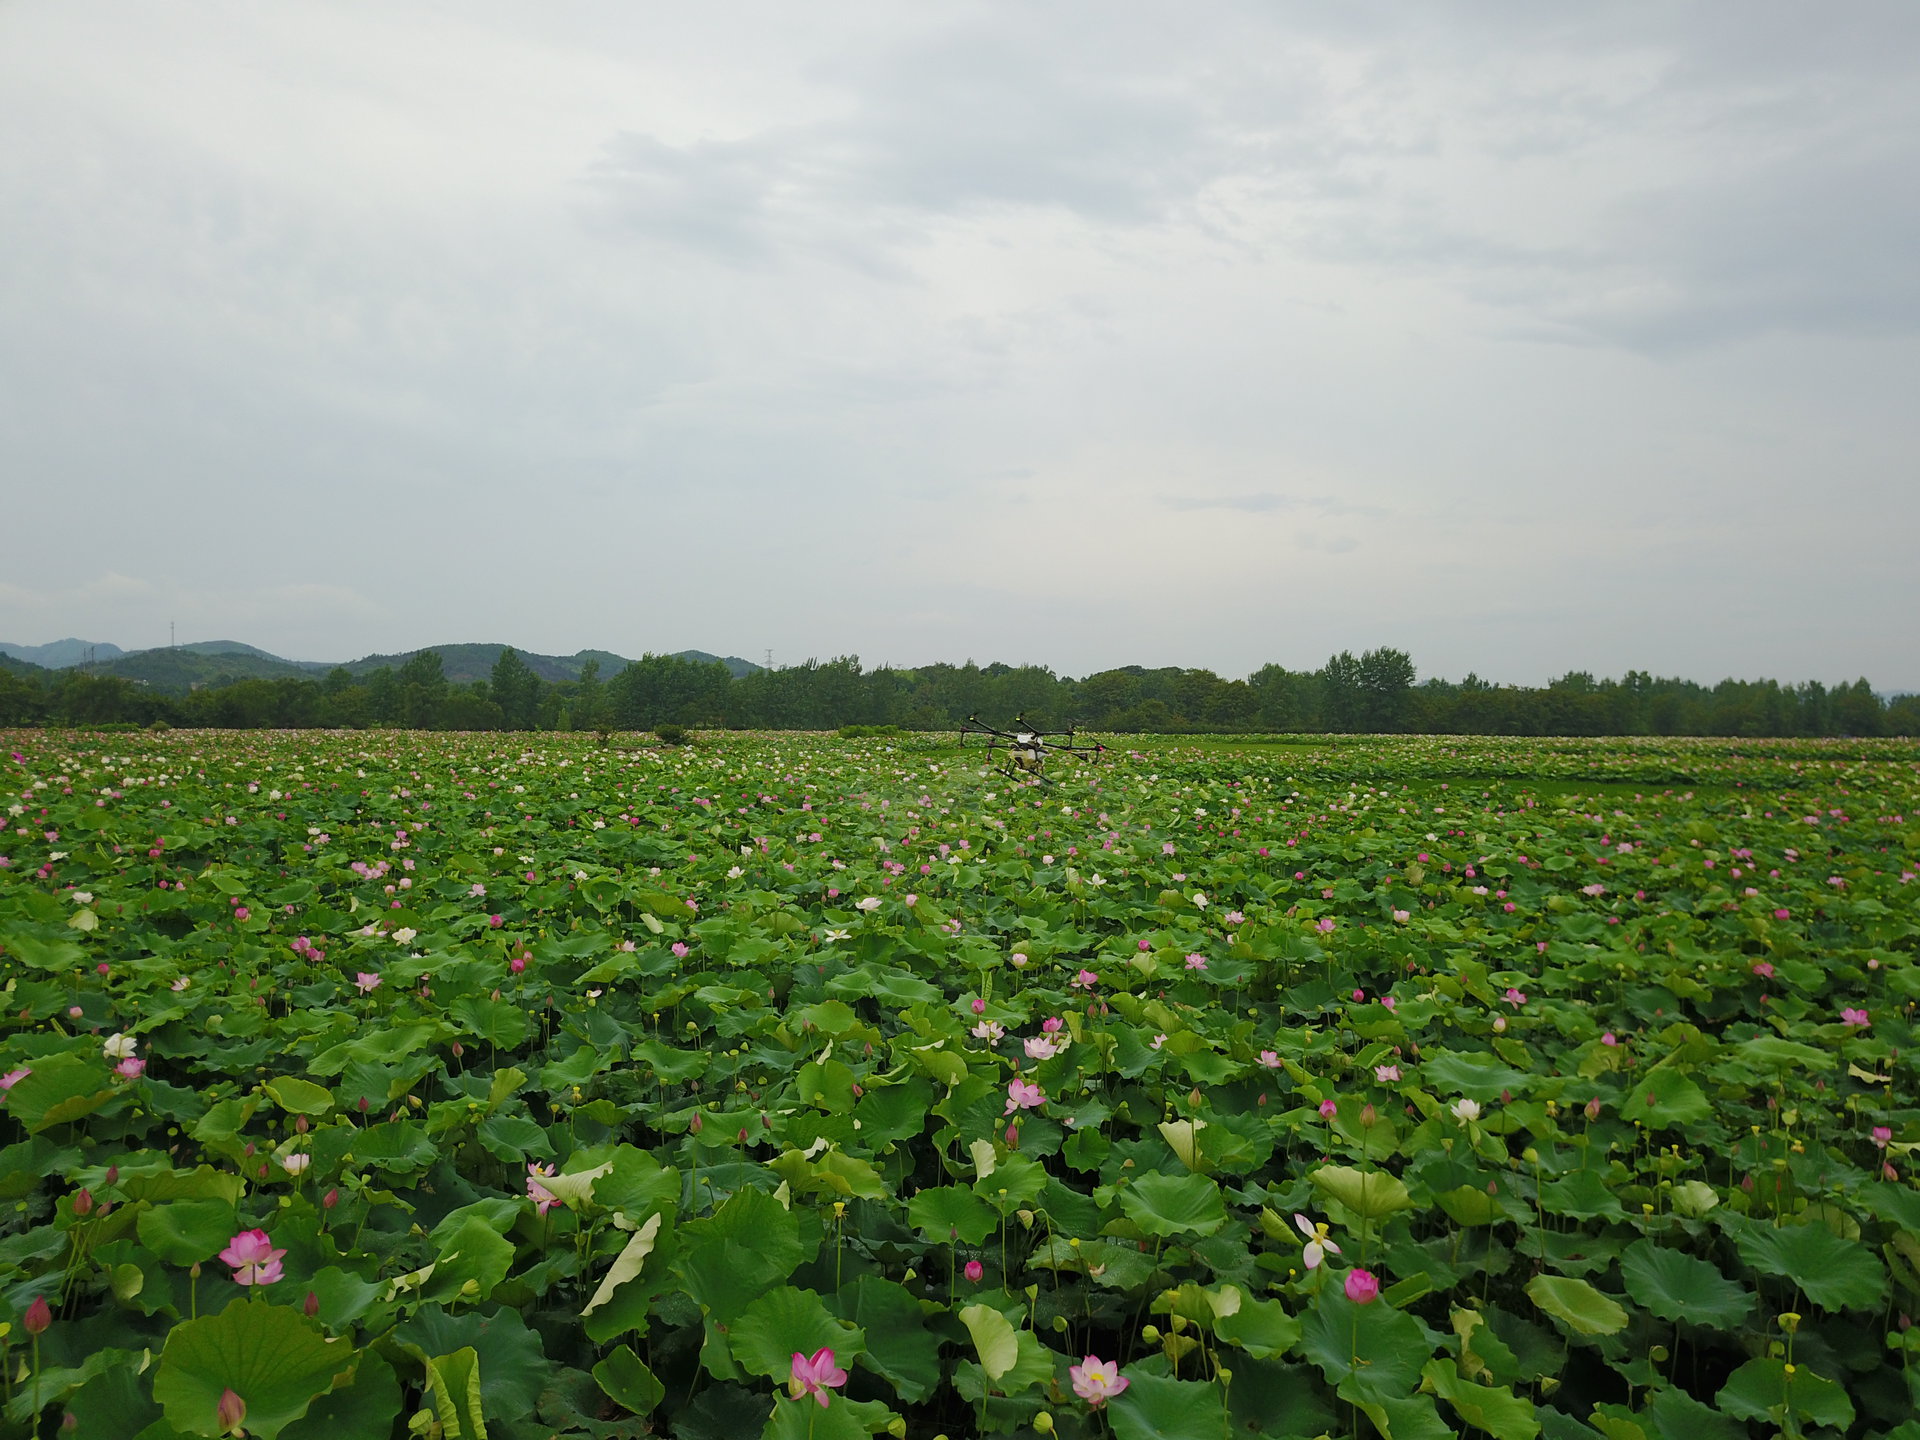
x: 1025, y: 749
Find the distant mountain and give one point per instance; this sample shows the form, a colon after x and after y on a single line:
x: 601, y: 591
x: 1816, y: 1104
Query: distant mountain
x: 734, y: 663
x: 467, y: 663
x: 238, y: 647
x: 177, y: 669
x: 62, y: 653
x: 20, y: 667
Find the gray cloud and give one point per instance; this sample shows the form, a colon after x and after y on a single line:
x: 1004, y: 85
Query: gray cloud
x: 342, y: 328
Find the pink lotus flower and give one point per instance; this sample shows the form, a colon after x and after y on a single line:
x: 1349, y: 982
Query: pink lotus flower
x: 1097, y: 1381
x: 1858, y: 1019
x: 1386, y: 1074
x: 1325, y: 925
x: 366, y: 983
x: 1763, y: 968
x: 1022, y: 1095
x: 1362, y: 1287
x: 543, y: 1198
x: 975, y: 1271
x: 1881, y: 1135
x: 1085, y: 980
x: 1328, y: 1109
x: 11, y: 1079
x: 815, y: 1376
x: 1043, y: 1047
x: 131, y: 1068
x: 253, y: 1257
x: 1196, y: 962
x: 1269, y: 1059
x: 1516, y: 997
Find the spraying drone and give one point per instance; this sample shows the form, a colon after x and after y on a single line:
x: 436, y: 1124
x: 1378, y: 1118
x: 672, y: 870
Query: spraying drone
x: 1023, y: 751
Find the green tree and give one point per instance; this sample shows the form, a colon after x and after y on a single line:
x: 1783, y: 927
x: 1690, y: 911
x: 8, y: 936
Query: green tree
x: 515, y: 688
x: 590, y: 709
x: 1385, y: 679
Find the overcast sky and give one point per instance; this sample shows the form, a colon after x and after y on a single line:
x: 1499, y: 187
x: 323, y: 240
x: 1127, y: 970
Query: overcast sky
x: 1523, y: 337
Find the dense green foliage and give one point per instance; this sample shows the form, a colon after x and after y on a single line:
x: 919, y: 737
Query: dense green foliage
x: 1372, y: 693
x: 574, y: 1090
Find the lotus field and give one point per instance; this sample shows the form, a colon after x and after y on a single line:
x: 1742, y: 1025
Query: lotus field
x: 382, y: 1085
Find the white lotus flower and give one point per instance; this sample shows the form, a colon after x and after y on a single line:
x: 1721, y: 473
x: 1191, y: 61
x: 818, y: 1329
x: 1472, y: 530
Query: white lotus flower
x: 1466, y: 1111
x: 1318, y: 1246
x: 119, y: 1046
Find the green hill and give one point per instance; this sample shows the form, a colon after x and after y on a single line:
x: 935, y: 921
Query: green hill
x: 177, y: 671
x: 239, y: 647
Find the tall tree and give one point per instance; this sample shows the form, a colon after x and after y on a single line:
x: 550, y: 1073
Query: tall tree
x: 515, y: 689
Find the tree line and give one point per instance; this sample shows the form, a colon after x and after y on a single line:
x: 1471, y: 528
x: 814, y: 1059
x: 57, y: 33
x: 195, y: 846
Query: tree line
x: 1373, y: 692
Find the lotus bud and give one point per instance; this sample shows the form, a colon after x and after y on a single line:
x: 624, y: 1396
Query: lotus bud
x: 310, y: 1307
x: 83, y: 1202
x: 231, y: 1413
x: 38, y: 1317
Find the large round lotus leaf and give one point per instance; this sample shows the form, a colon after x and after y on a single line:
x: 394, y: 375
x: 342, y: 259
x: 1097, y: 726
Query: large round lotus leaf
x: 1375, y: 1347
x: 782, y: 1321
x: 364, y: 1407
x: 513, y: 1367
x: 1576, y: 1304
x: 1674, y: 1286
x: 271, y: 1356
x: 951, y: 1212
x: 1833, y: 1273
x: 1174, y: 1204
x: 1762, y: 1385
x: 1153, y: 1407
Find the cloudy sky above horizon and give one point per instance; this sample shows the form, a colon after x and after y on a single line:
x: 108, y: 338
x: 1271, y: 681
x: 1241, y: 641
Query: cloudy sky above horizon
x: 1523, y: 338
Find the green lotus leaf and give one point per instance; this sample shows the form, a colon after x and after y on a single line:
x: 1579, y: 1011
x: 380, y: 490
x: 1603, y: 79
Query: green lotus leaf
x: 769, y: 1331
x: 1174, y: 1204
x: 273, y: 1358
x: 1577, y: 1305
x: 1675, y: 1286
x: 628, y: 1382
x: 1834, y: 1273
